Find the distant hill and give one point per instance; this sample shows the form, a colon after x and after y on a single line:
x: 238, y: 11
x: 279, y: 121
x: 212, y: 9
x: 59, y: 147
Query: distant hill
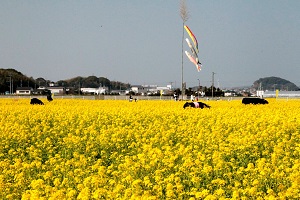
x: 17, y: 79
x: 271, y: 83
x: 13, y: 78
x: 93, y: 82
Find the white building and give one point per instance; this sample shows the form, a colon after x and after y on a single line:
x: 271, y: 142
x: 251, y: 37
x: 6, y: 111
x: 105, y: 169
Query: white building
x: 260, y: 93
x: 100, y: 90
x: 24, y: 90
x: 57, y: 90
x: 281, y: 94
x: 150, y: 89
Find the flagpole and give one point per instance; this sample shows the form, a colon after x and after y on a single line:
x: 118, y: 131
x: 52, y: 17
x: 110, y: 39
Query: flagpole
x: 184, y: 16
x: 182, y: 88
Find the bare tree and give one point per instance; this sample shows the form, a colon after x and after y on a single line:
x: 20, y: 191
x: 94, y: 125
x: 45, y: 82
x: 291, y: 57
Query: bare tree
x: 184, y: 16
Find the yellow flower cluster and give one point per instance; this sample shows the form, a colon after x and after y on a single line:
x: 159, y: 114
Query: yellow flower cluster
x: 89, y: 149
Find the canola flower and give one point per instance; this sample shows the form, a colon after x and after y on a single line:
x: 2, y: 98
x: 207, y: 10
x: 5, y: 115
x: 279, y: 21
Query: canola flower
x: 89, y: 149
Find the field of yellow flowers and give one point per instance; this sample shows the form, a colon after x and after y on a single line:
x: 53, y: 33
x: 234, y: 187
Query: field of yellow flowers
x: 93, y: 149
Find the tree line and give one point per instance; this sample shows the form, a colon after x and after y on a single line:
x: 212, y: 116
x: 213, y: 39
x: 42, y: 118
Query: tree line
x: 11, y: 79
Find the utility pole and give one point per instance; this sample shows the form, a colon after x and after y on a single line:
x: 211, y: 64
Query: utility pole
x: 79, y: 89
x: 199, y: 87
x: 212, y: 85
x: 171, y: 85
x: 260, y: 86
x: 10, y: 84
x: 275, y: 87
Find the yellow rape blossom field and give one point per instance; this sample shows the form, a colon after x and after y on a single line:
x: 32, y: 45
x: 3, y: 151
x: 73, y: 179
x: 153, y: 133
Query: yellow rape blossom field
x: 114, y: 149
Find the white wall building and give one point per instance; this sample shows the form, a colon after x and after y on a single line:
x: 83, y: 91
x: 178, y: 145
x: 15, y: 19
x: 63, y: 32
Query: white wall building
x: 24, y: 90
x: 260, y: 93
x: 281, y: 94
x: 100, y: 90
x: 57, y: 90
x: 150, y: 89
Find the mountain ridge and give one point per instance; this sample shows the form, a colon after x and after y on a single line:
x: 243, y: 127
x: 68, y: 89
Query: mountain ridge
x: 273, y: 83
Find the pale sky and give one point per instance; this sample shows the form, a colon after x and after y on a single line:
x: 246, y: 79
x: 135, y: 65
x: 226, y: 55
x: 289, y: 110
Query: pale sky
x: 139, y: 41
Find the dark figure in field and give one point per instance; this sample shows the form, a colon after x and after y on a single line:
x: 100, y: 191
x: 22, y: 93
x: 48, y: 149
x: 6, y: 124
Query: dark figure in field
x: 49, y: 98
x: 196, y: 105
x: 255, y: 101
x: 36, y: 101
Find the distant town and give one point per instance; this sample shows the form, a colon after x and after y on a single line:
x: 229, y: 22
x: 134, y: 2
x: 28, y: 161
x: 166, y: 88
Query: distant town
x: 15, y: 83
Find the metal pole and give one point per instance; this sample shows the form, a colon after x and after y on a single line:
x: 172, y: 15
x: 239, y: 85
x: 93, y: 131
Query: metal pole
x: 10, y: 85
x: 182, y: 88
x: 79, y: 89
x: 212, y: 86
x: 198, y: 88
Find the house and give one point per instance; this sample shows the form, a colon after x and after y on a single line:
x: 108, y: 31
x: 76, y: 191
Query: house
x: 230, y: 93
x: 41, y: 91
x: 164, y: 89
x: 138, y: 89
x: 150, y: 89
x: 24, y: 90
x: 57, y: 90
x: 100, y: 90
x: 88, y: 90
